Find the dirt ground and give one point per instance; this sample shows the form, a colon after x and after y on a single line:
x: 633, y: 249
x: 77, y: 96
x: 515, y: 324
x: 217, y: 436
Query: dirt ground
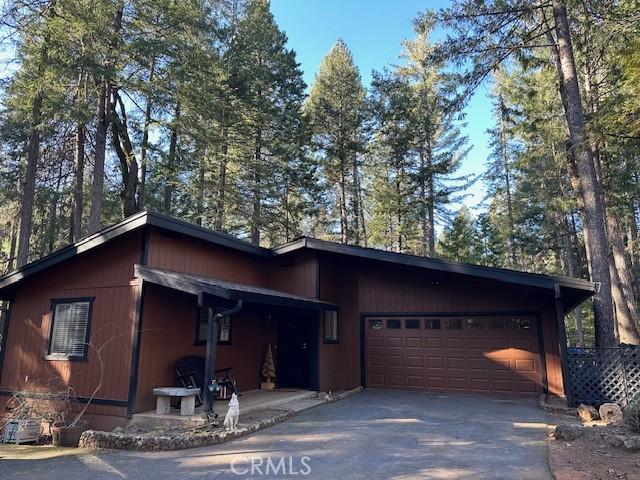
x: 591, y: 457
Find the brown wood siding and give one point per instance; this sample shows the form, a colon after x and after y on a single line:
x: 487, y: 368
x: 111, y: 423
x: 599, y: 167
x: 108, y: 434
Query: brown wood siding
x: 295, y: 274
x: 104, y: 273
x: 388, y: 289
x: 169, y: 332
x: 339, y: 363
x: 184, y: 254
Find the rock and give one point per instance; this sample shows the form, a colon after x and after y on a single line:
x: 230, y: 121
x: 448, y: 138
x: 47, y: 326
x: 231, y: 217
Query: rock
x: 568, y: 432
x: 616, y: 441
x: 588, y: 413
x: 632, y: 442
x: 610, y: 413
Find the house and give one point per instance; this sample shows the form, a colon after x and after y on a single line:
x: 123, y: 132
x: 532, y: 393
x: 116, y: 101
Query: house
x: 114, y: 311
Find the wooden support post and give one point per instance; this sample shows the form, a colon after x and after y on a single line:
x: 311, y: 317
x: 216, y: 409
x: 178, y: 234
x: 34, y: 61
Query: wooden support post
x: 562, y: 340
x: 212, y: 344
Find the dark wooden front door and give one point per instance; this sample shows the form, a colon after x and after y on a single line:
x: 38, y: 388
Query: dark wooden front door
x: 296, y: 352
x: 483, y: 354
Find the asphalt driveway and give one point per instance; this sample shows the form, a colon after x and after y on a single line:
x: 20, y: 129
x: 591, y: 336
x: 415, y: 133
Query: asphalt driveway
x: 373, y: 435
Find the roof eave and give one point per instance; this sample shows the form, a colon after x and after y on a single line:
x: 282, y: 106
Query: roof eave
x: 501, y: 275
x: 132, y: 223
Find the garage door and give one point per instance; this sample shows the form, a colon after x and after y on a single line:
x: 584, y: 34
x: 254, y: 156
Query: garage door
x: 484, y: 354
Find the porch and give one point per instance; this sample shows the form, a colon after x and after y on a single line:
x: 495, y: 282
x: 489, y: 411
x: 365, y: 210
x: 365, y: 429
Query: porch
x: 251, y: 401
x: 226, y: 325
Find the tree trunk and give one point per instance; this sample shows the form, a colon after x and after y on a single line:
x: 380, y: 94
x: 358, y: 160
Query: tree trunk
x: 144, y: 144
x: 626, y: 306
x: 171, y: 162
x: 356, y: 200
x: 422, y: 199
x: 593, y: 207
x: 431, y: 200
x: 126, y: 154
x: 201, y: 190
x: 256, y: 219
x: 572, y: 271
x: 222, y: 181
x: 12, y: 245
x: 344, y: 226
x: 29, y: 182
x: 78, y: 183
x: 507, y: 180
x: 77, y: 201
x: 102, y: 128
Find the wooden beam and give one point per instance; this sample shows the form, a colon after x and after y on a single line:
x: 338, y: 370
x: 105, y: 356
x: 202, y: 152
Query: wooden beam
x: 562, y: 341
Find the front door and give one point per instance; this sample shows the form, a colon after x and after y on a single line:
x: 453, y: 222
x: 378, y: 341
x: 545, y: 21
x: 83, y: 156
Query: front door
x: 296, y: 352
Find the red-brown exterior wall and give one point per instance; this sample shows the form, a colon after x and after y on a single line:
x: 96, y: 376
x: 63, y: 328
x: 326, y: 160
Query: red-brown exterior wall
x: 169, y: 332
x: 105, y: 273
x: 366, y: 287
x: 357, y: 286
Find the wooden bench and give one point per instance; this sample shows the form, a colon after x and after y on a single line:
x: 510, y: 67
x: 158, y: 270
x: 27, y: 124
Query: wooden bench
x: 187, y: 399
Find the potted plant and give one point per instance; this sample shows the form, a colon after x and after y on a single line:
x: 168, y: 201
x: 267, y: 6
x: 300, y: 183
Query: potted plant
x: 66, y: 424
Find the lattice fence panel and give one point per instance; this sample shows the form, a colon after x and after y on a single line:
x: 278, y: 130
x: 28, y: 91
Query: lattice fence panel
x: 597, y: 375
x: 631, y: 359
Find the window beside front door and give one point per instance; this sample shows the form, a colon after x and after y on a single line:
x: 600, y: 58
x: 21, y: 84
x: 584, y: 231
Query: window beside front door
x: 224, y: 331
x: 69, y: 329
x: 330, y: 326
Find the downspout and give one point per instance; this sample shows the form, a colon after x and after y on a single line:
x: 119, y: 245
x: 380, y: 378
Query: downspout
x: 212, y: 344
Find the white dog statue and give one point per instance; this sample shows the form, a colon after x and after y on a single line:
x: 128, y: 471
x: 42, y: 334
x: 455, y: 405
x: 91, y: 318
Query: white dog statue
x: 231, y: 419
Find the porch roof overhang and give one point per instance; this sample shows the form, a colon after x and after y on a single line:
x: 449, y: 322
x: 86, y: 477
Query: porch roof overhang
x: 201, y: 285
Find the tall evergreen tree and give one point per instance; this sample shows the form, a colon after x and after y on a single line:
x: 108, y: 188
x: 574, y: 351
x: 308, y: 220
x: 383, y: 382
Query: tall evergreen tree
x: 336, y: 107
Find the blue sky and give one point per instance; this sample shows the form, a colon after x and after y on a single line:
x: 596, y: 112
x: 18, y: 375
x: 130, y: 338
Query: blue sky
x: 373, y: 30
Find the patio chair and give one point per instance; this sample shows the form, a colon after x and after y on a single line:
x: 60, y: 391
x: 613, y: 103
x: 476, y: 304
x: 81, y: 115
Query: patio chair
x: 190, y: 374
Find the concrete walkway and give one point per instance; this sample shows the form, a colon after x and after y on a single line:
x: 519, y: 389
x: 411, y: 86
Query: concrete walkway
x: 373, y: 435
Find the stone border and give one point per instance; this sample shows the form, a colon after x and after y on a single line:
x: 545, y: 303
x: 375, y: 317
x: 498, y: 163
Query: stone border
x: 96, y: 439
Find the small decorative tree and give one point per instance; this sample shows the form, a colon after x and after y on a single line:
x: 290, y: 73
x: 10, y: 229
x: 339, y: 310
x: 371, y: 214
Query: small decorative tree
x: 268, y: 371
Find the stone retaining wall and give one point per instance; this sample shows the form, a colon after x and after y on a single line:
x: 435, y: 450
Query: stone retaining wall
x: 94, y: 439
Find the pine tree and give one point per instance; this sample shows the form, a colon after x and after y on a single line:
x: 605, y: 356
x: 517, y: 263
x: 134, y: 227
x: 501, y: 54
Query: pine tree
x: 336, y: 107
x: 460, y: 242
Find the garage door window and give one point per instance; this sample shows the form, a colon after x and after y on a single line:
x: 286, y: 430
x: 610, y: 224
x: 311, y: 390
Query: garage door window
x: 453, y: 324
x: 432, y: 324
x: 475, y: 324
x: 393, y: 323
x: 521, y: 323
x: 498, y: 324
x: 375, y: 324
x: 412, y: 323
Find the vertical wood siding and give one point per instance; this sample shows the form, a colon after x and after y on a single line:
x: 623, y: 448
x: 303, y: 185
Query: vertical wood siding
x: 169, y: 332
x: 393, y: 289
x: 367, y: 287
x: 105, y: 273
x: 183, y: 254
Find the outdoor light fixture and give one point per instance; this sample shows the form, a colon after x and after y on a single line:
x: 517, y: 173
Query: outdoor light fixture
x: 213, y: 387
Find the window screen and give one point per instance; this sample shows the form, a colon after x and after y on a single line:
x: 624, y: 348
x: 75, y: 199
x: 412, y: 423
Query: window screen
x: 69, y: 329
